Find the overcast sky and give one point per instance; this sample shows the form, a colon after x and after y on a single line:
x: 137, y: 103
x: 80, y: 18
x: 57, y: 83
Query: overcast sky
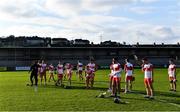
x: 144, y: 21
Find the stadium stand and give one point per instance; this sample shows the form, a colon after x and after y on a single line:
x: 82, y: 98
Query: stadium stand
x: 21, y: 51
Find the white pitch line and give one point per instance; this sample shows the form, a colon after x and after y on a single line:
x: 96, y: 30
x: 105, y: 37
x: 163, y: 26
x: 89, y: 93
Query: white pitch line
x: 174, y: 104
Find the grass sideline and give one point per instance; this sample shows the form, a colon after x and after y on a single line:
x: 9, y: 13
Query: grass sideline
x: 16, y: 96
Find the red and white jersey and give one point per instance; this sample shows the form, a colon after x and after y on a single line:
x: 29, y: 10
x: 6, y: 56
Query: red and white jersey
x: 60, y: 69
x: 172, y: 70
x: 51, y: 68
x: 111, y: 68
x: 148, y: 70
x: 92, y: 67
x: 128, y: 68
x: 69, y: 68
x: 116, y: 69
x: 43, y: 68
x: 87, y: 70
x: 80, y: 66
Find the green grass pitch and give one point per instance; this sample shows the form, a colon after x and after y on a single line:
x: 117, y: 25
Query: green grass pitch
x: 16, y: 96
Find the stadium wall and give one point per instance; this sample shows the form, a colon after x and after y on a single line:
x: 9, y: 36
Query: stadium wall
x: 23, y: 57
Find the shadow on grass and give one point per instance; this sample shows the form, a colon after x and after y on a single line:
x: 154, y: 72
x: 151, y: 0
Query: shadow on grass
x: 74, y: 87
x: 172, y: 100
x: 137, y: 99
x: 84, y: 81
x: 159, y: 93
x: 98, y: 82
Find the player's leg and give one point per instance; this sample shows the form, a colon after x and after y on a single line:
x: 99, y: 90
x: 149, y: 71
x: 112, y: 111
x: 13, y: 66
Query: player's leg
x: 69, y: 78
x: 80, y: 76
x: 113, y: 87
x: 126, y: 87
x: 87, y: 81
x: 151, y: 89
x: 118, y: 80
x: 53, y: 77
x: 57, y: 82
x: 126, y: 84
x: 147, y: 89
x: 110, y: 83
x: 36, y: 79
x: 45, y: 78
x: 85, y: 74
x: 41, y: 77
x: 49, y: 77
x: 77, y: 75
x: 171, y: 83
x: 31, y: 79
x: 61, y: 80
x: 171, y: 86
x: 130, y: 85
x: 65, y: 75
x: 174, y: 85
x: 92, y: 80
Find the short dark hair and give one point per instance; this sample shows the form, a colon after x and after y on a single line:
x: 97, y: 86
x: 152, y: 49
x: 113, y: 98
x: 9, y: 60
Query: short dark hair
x: 145, y: 59
x: 115, y: 58
x: 172, y: 60
x: 91, y: 59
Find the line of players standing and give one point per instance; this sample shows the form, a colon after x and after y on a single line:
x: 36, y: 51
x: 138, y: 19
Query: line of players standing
x: 147, y: 68
x: 65, y: 71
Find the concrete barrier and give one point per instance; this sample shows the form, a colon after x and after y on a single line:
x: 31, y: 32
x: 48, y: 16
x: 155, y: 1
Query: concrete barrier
x: 3, y: 69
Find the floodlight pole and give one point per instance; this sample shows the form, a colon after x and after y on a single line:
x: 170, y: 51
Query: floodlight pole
x: 100, y: 38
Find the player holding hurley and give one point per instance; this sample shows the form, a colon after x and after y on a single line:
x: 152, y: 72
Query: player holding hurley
x: 111, y: 77
x: 172, y: 75
x: 60, y: 72
x: 69, y: 71
x: 43, y: 71
x: 128, y: 68
x: 116, y: 77
x: 91, y: 69
x: 39, y: 68
x: 80, y: 70
x: 147, y: 68
x: 51, y: 72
